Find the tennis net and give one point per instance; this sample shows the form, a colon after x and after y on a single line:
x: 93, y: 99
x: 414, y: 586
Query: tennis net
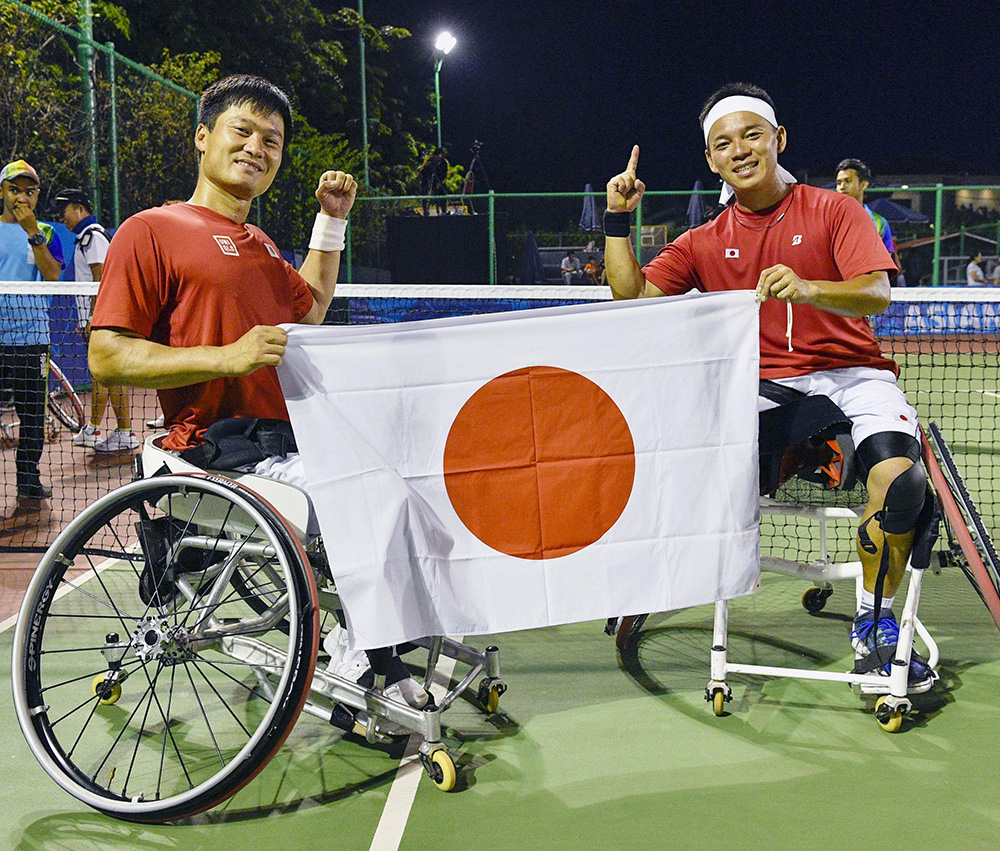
x: 945, y: 340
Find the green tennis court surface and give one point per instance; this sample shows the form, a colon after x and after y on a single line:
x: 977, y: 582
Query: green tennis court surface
x: 590, y: 753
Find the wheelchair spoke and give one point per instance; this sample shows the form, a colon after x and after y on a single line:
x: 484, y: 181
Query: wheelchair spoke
x: 204, y: 715
x: 222, y: 700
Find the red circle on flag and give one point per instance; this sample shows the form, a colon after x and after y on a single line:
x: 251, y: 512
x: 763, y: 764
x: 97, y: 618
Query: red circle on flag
x: 539, y: 463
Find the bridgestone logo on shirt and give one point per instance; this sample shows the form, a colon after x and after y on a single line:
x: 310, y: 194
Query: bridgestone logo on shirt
x: 227, y: 245
x: 732, y: 252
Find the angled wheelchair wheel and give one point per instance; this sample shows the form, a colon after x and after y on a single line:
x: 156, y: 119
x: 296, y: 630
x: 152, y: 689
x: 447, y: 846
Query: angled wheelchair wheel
x: 165, y: 647
x: 63, y: 402
x: 969, y: 543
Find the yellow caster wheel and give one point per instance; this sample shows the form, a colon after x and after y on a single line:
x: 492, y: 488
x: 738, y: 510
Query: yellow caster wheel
x: 888, y: 719
x: 100, y: 689
x: 441, y: 769
x: 718, y: 702
x: 814, y: 599
x: 489, y: 693
x: 492, y: 703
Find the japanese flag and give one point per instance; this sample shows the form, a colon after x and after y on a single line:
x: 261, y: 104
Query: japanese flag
x: 507, y: 471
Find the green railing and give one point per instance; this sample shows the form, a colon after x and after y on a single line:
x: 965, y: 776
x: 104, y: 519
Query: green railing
x: 933, y: 228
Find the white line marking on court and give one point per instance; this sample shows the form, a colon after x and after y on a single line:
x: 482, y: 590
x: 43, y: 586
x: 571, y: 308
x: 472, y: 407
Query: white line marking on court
x: 399, y: 802
x: 992, y: 393
x: 65, y: 588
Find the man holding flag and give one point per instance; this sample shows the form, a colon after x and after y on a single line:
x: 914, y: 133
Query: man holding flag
x: 818, y: 268
x: 192, y: 295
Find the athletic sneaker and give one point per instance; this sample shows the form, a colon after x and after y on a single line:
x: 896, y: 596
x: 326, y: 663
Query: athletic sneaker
x: 118, y: 441
x: 157, y: 423
x: 352, y: 665
x: 88, y: 436
x: 874, y: 651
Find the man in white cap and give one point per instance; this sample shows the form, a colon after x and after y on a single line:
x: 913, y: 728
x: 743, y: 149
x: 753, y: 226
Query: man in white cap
x: 818, y: 268
x: 29, y: 252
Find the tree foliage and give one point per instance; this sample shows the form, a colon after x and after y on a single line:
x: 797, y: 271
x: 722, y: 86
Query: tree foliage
x: 311, y: 53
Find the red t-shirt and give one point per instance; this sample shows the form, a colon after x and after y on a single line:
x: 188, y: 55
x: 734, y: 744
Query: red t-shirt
x: 186, y: 276
x: 822, y: 236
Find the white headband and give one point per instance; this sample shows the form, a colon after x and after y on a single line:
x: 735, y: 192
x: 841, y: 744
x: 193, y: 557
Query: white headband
x: 742, y: 103
x: 738, y: 103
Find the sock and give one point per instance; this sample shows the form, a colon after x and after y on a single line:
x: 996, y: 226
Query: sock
x: 868, y: 601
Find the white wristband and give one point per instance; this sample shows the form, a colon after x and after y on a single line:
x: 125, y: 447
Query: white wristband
x: 328, y: 233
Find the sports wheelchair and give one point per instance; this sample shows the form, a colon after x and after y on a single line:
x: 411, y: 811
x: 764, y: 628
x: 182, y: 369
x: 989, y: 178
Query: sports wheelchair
x: 168, y: 642
x: 808, y: 439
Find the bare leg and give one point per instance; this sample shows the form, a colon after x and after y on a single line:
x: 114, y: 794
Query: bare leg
x: 98, y: 402
x: 121, y: 404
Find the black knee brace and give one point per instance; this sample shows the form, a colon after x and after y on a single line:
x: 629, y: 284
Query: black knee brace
x: 909, y: 504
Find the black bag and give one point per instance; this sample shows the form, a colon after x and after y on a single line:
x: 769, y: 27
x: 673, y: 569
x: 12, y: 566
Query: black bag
x: 240, y: 442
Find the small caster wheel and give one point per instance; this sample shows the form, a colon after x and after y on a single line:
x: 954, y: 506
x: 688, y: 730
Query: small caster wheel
x: 441, y: 769
x: 889, y: 719
x: 718, y: 702
x: 108, y: 694
x: 489, y: 693
x: 814, y: 599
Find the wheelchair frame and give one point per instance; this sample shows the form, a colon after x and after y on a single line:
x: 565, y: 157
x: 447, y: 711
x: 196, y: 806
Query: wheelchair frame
x: 889, y: 708
x: 245, y: 597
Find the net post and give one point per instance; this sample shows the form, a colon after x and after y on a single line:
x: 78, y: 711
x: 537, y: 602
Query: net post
x: 347, y: 253
x: 493, y: 242
x: 936, y: 272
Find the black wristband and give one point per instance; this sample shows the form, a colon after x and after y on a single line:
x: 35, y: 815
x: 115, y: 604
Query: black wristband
x: 617, y: 224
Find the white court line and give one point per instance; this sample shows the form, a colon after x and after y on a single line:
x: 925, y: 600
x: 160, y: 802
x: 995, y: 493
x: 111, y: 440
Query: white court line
x: 66, y: 588
x: 992, y: 393
x: 399, y: 802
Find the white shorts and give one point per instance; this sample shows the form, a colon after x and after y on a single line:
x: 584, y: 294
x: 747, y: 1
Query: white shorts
x: 870, y: 397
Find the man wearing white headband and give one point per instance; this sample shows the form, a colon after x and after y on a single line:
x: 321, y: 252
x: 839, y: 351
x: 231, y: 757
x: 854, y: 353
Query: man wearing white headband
x: 818, y: 268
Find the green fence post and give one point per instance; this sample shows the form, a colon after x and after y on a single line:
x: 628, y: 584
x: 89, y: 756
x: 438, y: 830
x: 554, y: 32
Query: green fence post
x: 493, y: 242
x: 936, y: 272
x: 116, y: 206
x: 85, y: 65
x: 347, y: 253
x: 638, y: 233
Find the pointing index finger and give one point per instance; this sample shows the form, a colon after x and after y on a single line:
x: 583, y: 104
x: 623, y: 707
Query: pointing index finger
x: 633, y: 161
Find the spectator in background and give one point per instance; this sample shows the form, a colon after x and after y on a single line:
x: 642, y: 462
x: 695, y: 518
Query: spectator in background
x: 995, y: 274
x: 974, y: 276
x: 433, y: 175
x: 570, y: 268
x: 29, y: 251
x: 593, y: 271
x: 853, y: 178
x: 75, y: 209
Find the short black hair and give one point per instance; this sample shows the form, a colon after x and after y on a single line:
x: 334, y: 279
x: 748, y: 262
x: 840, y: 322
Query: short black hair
x: 262, y: 96
x: 730, y: 89
x: 864, y: 173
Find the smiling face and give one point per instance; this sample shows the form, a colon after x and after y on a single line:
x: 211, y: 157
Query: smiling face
x: 242, y: 152
x: 743, y: 150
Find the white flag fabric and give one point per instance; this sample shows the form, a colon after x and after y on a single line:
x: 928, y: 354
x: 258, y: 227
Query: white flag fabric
x: 506, y: 471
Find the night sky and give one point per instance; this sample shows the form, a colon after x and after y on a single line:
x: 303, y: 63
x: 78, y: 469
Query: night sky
x: 559, y: 92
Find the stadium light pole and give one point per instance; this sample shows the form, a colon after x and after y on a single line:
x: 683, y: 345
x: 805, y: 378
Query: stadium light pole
x: 442, y: 47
